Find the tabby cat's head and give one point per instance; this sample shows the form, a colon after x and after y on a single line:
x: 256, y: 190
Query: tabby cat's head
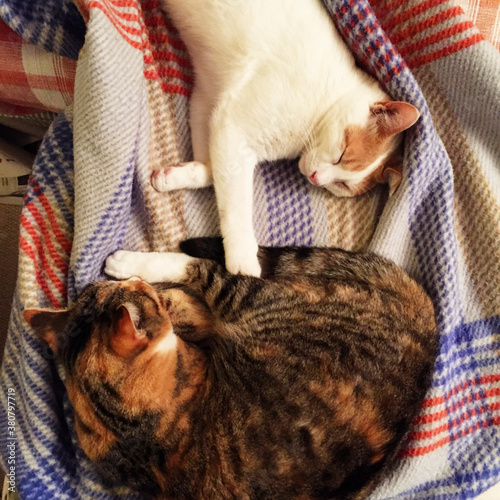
x: 108, y: 343
x: 124, y: 319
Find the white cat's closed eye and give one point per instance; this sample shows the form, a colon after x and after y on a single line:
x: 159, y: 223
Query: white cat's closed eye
x: 339, y: 160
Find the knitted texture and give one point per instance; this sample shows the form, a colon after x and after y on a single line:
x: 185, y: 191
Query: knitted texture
x: 91, y: 196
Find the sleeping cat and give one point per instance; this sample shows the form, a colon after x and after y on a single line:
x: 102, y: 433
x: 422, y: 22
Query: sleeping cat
x: 213, y: 386
x: 275, y: 80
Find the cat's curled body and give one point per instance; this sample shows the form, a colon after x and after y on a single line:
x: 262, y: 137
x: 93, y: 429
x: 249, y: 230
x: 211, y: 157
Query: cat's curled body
x: 299, y: 385
x: 274, y: 79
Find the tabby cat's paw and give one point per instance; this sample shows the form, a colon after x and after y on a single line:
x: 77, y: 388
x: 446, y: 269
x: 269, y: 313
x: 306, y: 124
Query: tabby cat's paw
x: 123, y: 264
x: 189, y: 175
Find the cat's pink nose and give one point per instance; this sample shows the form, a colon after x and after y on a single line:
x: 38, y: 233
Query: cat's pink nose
x: 314, y: 178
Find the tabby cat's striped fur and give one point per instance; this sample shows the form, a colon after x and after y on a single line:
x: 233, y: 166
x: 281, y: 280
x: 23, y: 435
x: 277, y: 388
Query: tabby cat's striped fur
x: 298, y: 385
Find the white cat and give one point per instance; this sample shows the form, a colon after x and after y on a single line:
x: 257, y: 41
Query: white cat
x: 275, y: 80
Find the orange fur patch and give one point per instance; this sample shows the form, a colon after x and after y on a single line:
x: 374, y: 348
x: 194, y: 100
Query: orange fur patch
x: 363, y: 147
x: 97, y: 444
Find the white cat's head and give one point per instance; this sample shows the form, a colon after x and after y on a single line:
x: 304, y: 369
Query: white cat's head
x: 351, y: 159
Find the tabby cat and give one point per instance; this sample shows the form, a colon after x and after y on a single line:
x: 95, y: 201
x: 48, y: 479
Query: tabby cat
x: 300, y: 384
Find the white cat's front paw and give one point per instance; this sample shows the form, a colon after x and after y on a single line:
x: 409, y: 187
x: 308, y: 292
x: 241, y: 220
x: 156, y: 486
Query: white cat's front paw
x: 124, y: 264
x: 189, y: 175
x: 243, y: 260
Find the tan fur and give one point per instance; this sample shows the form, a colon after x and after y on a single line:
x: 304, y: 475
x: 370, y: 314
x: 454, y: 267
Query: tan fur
x: 359, y: 413
x: 182, y: 306
x: 312, y: 294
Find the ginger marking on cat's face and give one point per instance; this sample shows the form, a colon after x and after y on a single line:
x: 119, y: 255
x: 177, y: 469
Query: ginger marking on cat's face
x: 364, y: 156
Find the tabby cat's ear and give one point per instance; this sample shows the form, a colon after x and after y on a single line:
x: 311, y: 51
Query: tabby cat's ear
x: 47, y: 323
x: 392, y: 117
x: 126, y: 339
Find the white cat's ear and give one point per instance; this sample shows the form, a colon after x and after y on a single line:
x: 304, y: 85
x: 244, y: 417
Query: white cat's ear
x: 46, y: 324
x: 392, y: 117
x: 126, y: 338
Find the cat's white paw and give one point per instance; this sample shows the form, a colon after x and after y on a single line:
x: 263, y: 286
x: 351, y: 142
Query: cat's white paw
x: 124, y: 264
x: 154, y: 267
x: 189, y: 175
x: 243, y: 260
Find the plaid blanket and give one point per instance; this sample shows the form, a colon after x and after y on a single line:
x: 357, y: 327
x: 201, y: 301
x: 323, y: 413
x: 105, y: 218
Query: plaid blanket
x: 90, y: 195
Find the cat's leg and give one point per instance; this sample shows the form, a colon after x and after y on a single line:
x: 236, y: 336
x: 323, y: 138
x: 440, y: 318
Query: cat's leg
x: 197, y: 173
x: 233, y: 164
x: 154, y: 267
x: 189, y: 175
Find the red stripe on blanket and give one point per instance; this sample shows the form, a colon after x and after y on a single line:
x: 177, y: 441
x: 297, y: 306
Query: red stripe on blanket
x: 439, y: 415
x: 392, y: 22
x: 117, y: 13
x: 488, y: 379
x: 124, y: 3
x: 169, y: 73
x: 435, y: 38
x: 122, y: 29
x: 166, y: 55
x: 432, y: 21
x: 28, y: 250
x: 172, y: 88
x: 383, y: 7
x: 427, y: 434
x: 159, y: 55
x: 43, y: 82
x: 424, y: 450
x: 46, y: 234
x: 166, y: 38
x: 46, y: 266
x: 61, y: 238
x: 445, y: 51
x: 174, y: 73
x: 40, y: 220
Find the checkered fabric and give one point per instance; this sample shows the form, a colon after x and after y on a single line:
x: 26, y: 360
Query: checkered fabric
x: 132, y: 87
x: 32, y: 79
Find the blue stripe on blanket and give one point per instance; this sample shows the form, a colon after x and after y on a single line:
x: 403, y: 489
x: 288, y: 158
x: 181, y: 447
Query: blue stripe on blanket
x: 109, y: 234
x: 289, y: 211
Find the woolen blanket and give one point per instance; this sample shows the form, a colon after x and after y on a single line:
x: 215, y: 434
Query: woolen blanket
x: 90, y: 195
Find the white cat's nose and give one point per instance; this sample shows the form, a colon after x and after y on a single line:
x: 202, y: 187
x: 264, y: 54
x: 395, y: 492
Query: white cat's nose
x: 314, y: 179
